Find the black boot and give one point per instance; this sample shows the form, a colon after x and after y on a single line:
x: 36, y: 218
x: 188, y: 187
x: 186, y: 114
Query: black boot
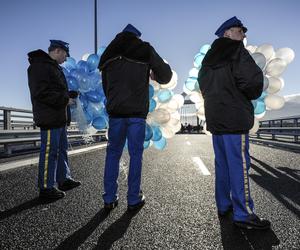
x: 254, y: 222
x: 52, y: 193
x: 138, y: 205
x: 68, y: 184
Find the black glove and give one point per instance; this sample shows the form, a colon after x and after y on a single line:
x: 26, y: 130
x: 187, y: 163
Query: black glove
x: 73, y: 94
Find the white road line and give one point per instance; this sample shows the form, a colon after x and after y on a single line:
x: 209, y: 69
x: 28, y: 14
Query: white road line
x: 188, y: 143
x: 201, y: 165
x: 35, y: 160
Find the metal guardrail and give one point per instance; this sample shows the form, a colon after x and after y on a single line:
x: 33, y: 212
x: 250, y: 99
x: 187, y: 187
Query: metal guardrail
x: 17, y: 130
x: 283, y: 132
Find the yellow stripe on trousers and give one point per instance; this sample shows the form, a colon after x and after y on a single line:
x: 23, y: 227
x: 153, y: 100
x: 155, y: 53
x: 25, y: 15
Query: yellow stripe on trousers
x: 246, y: 181
x: 47, y: 158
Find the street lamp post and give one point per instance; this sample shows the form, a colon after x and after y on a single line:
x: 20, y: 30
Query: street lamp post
x: 95, y: 27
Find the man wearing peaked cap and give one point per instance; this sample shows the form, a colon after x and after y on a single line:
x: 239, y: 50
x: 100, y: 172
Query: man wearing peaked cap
x: 229, y: 79
x: 125, y: 66
x: 50, y: 100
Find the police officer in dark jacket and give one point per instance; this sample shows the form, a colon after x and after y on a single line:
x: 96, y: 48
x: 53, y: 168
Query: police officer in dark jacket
x: 229, y: 79
x: 50, y: 99
x: 125, y: 66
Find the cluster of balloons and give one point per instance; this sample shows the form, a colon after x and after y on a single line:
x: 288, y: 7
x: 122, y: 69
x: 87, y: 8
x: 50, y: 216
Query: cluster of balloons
x: 272, y: 63
x: 84, y: 77
x: 163, y: 119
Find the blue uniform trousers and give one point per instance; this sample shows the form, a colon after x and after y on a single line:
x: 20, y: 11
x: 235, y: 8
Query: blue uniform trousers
x: 232, y: 162
x: 53, y: 162
x: 119, y: 129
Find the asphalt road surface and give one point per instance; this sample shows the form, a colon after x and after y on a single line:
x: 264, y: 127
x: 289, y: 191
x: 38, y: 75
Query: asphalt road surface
x: 180, y: 211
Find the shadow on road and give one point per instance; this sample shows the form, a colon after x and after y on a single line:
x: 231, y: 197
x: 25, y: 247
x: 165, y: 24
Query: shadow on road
x: 236, y: 238
x: 25, y: 206
x: 115, y: 231
x: 80, y: 236
x: 280, y: 185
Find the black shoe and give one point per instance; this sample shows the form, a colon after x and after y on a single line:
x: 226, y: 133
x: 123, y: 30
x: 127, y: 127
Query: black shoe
x: 110, y: 206
x: 253, y: 223
x: 68, y: 184
x: 52, y: 193
x: 138, y: 205
x: 225, y: 213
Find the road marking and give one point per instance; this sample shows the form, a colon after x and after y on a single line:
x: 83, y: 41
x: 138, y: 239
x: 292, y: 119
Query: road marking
x: 35, y: 160
x: 201, y: 165
x: 188, y: 143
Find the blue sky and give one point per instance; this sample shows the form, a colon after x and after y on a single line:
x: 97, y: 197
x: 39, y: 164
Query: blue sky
x: 176, y: 28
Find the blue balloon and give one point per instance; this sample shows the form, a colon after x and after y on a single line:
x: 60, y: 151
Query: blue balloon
x: 254, y: 103
x: 156, y: 133
x: 93, y: 61
x: 204, y: 49
x: 146, y: 144
x: 164, y: 95
x: 161, y: 144
x: 192, y: 84
x: 93, y: 96
x: 152, y: 105
x: 88, y: 118
x: 95, y: 79
x: 262, y: 96
x: 260, y: 107
x: 95, y: 109
x: 72, y: 83
x: 70, y: 63
x: 101, y: 50
x: 198, y: 60
x: 151, y: 91
x: 99, y: 123
x: 66, y: 72
x: 83, y: 101
x: 148, y: 132
x: 83, y: 65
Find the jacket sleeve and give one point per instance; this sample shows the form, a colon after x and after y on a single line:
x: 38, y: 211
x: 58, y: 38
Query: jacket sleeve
x: 162, y: 71
x: 248, y: 76
x: 45, y: 91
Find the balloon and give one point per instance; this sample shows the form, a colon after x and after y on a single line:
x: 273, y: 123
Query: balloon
x: 152, y: 105
x: 275, y: 67
x: 93, y: 61
x: 260, y: 107
x: 251, y: 48
x: 151, y: 91
x: 70, y: 63
x: 204, y: 49
x: 160, y: 116
x: 101, y: 50
x: 95, y: 109
x: 179, y: 99
x: 194, y: 73
x: 148, y: 132
x: 84, y: 83
x: 259, y: 59
x: 267, y: 50
x: 99, y: 123
x: 198, y: 60
x: 85, y: 57
x: 172, y: 83
x: 266, y: 83
x: 275, y: 84
x: 161, y: 144
x: 164, y: 95
x: 146, y: 144
x: 196, y: 97
x: 192, y: 84
x: 83, y: 65
x: 286, y: 54
x: 156, y: 133
x: 83, y: 101
x: 93, y: 96
x: 274, y: 101
x: 72, y: 83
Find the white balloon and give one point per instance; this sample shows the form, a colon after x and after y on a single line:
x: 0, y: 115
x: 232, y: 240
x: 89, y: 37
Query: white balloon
x: 285, y: 54
x: 255, y: 127
x: 160, y: 116
x: 259, y: 59
x: 251, y: 48
x: 245, y: 41
x: 201, y: 111
x: 175, y: 115
x: 194, y: 72
x: 261, y: 115
x: 275, y: 85
x: 196, y: 97
x: 275, y: 67
x: 85, y: 57
x: 179, y: 99
x: 274, y: 101
x: 186, y: 90
x: 172, y: 83
x: 267, y: 50
x: 155, y: 85
x: 166, y: 132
